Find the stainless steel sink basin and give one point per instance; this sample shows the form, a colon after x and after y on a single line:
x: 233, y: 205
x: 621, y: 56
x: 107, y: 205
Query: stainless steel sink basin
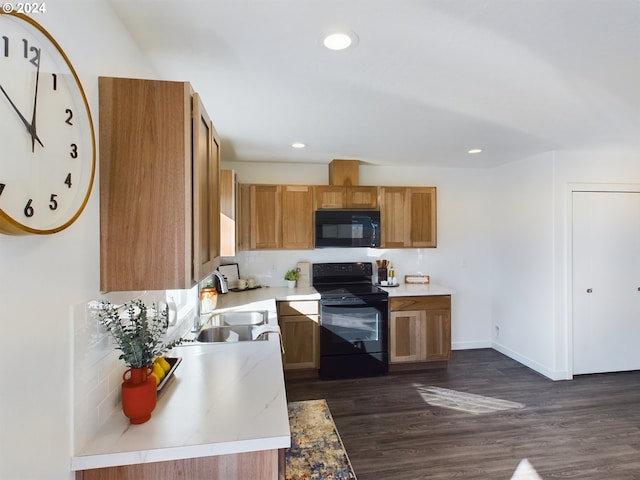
x: 238, y: 333
x: 241, y: 318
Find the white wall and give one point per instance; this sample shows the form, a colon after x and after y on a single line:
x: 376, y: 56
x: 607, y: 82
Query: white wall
x: 531, y: 260
x: 461, y: 261
x: 573, y: 171
x: 522, y: 261
x: 43, y: 277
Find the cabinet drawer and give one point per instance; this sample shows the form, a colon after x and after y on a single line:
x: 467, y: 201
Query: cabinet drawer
x: 301, y: 307
x: 433, y: 302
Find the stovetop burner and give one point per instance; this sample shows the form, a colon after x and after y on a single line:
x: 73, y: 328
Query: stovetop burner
x: 350, y: 279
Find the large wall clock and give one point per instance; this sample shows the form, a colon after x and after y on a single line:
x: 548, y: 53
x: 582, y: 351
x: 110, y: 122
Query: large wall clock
x: 47, y: 139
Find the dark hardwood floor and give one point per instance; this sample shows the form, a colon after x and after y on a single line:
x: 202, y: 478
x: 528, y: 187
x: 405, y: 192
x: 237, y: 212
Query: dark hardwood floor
x: 586, y: 428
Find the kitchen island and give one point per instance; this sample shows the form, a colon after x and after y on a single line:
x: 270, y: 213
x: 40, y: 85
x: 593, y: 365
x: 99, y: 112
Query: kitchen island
x: 223, y: 415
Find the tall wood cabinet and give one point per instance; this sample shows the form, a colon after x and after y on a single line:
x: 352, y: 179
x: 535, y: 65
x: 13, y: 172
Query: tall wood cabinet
x: 159, y: 167
x: 300, y: 328
x: 420, y: 330
x: 279, y: 216
x: 408, y: 217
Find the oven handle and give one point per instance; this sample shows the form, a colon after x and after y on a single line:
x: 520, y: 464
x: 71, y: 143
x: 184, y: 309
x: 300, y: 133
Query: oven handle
x: 355, y: 301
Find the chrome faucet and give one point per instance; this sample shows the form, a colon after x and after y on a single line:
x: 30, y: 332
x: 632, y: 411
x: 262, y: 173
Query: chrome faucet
x: 222, y: 281
x: 197, y: 323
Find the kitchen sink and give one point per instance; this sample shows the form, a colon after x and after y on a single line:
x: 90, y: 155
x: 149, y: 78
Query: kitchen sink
x: 234, y: 327
x: 237, y: 333
x: 256, y: 317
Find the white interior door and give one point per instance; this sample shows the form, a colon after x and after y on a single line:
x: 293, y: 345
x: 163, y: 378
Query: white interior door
x: 606, y: 278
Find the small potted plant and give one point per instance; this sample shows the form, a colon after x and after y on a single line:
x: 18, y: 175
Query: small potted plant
x: 291, y: 277
x: 138, y: 332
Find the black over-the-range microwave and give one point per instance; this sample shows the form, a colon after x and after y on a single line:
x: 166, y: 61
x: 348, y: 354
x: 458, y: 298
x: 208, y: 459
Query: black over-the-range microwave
x: 347, y: 228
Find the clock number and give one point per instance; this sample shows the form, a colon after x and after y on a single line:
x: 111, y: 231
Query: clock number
x: 53, y: 203
x: 35, y: 60
x: 6, y: 46
x: 68, y: 180
x: 28, y: 209
x: 69, y: 117
x: 55, y: 81
x: 74, y: 151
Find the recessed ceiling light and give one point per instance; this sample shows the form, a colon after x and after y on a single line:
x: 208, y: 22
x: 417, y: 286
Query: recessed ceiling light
x: 298, y: 145
x: 339, y: 40
x: 475, y: 150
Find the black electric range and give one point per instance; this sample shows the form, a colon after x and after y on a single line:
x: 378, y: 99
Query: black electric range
x: 354, y: 320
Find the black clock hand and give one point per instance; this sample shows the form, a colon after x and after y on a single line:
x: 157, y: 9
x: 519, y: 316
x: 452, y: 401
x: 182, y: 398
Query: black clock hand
x: 34, y: 136
x: 24, y: 120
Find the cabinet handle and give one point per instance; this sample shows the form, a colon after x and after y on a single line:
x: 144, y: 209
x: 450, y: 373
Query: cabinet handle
x: 589, y: 290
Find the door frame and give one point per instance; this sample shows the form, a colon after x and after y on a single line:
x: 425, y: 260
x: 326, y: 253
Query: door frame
x: 570, y: 189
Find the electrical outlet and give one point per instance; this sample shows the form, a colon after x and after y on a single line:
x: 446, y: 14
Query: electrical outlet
x: 497, y: 330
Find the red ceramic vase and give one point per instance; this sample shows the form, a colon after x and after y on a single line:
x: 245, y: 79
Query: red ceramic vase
x: 139, y: 394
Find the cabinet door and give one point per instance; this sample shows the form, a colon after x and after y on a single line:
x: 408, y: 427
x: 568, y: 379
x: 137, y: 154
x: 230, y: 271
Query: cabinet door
x: 330, y: 196
x: 243, y: 219
x: 301, y: 340
x: 300, y: 327
x: 395, y: 217
x: 297, y: 216
x: 405, y: 339
x: 206, y: 210
x: 338, y: 196
x: 228, y: 202
x: 266, y: 216
x: 408, y: 217
x: 362, y: 197
x: 422, y: 216
x: 436, y: 335
x: 145, y: 185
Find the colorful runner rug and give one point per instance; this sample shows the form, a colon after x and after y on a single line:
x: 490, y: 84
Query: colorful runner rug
x: 316, y: 452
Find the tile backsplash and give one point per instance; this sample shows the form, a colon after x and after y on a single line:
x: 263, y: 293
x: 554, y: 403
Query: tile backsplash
x: 97, y: 370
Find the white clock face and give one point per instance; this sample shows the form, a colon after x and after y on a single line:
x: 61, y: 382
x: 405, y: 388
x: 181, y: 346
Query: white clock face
x: 47, y: 144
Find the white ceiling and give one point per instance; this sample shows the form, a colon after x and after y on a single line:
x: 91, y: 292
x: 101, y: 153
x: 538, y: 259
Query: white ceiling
x: 428, y: 79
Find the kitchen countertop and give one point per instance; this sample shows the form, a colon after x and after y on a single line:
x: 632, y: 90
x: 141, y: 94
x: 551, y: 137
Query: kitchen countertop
x: 233, y: 300
x: 241, y: 299
x: 414, y: 289
x: 225, y: 398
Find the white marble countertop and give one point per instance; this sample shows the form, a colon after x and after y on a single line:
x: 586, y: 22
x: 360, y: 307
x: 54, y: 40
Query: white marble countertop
x: 245, y: 298
x: 240, y: 299
x: 411, y: 289
x: 225, y: 398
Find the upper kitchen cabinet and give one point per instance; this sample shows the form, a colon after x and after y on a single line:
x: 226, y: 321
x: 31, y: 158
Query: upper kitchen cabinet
x: 408, y: 217
x: 266, y: 216
x: 354, y: 197
x: 159, y: 180
x: 228, y: 213
x: 297, y: 216
x: 280, y: 216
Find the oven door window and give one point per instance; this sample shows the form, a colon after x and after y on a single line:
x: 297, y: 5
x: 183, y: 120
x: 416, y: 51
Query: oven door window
x: 347, y: 327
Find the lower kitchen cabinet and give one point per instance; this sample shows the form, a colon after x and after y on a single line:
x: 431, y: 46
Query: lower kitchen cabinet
x: 261, y: 465
x: 420, y: 331
x: 300, y: 329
